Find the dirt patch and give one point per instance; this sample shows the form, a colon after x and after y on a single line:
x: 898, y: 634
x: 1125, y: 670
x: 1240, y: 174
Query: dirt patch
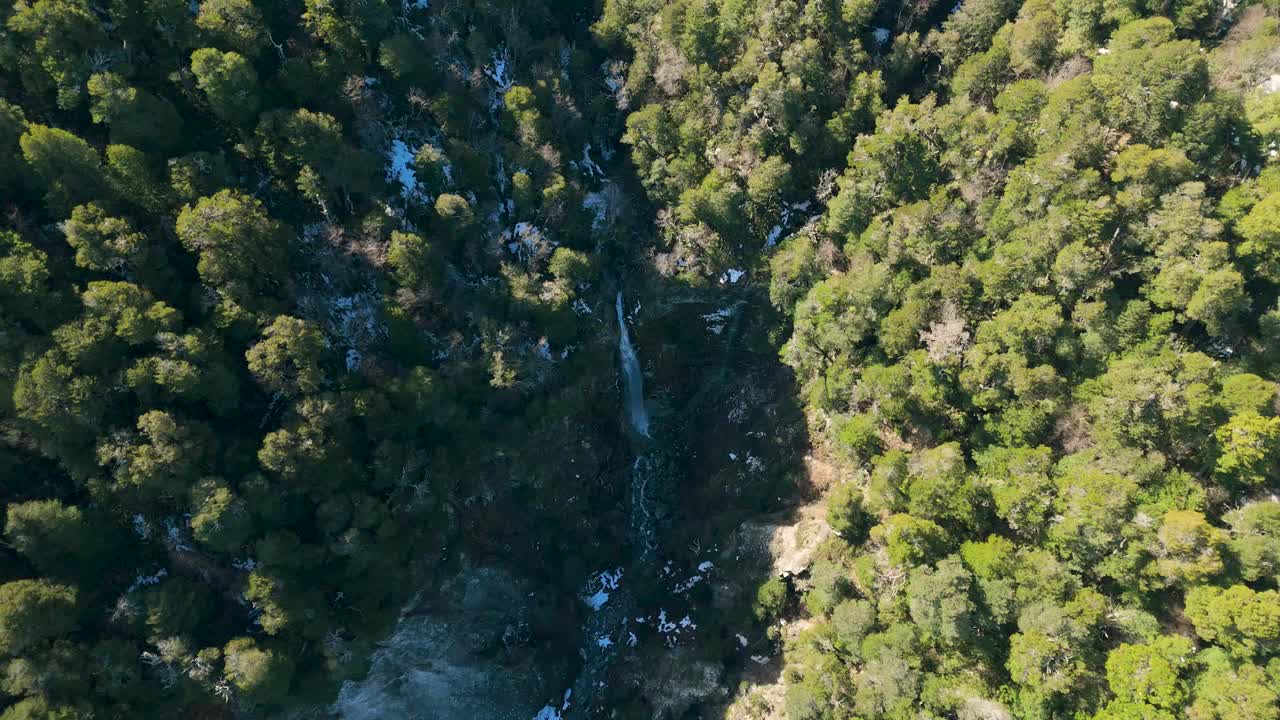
x: 1250, y: 53
x: 784, y: 544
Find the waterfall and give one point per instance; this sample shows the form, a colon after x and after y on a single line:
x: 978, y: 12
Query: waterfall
x: 631, y: 373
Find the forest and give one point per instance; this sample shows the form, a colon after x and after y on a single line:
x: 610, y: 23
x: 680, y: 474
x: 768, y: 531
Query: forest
x: 425, y: 358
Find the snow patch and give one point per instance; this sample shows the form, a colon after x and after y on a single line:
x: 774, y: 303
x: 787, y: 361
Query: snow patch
x: 716, y: 321
x: 671, y: 630
x: 687, y: 585
x: 785, y: 221
x: 596, y: 203
x: 400, y: 169
x: 588, y: 165
x: 173, y: 536
x: 527, y: 242
x: 141, y: 527
x: 881, y: 35
x: 596, y: 593
x: 353, y: 322
x: 499, y: 73
x: 145, y: 580
x: 732, y: 276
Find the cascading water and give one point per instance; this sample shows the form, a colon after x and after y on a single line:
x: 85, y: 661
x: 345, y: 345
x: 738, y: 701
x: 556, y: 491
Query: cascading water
x: 634, y: 390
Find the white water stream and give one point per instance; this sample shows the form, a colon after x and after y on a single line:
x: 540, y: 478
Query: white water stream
x: 634, y: 390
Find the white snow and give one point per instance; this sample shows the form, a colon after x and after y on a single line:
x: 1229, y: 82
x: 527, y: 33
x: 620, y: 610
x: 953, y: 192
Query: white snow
x: 604, y: 641
x: 881, y: 35
x: 527, y: 242
x: 705, y: 565
x: 732, y: 275
x: 742, y: 640
x: 173, y: 536
x: 547, y: 713
x: 612, y: 75
x: 776, y: 233
x: 497, y: 72
x: 597, y: 600
x: 687, y: 585
x: 400, y: 168
x: 760, y: 659
x: 596, y: 593
x: 144, y: 580
x: 717, y: 320
x: 665, y: 627
x: 353, y: 321
x: 141, y: 527
x: 597, y: 203
x: 588, y: 165
x: 671, y: 631
x: 733, y: 456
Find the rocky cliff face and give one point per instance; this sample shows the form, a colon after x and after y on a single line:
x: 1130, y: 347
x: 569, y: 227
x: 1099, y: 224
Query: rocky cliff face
x: 480, y: 649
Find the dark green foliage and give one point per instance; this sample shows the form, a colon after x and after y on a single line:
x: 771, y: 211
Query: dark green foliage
x: 304, y: 305
x: 236, y: 383
x: 229, y: 83
x: 1031, y: 310
x: 57, y: 539
x: 136, y: 117
x: 32, y: 611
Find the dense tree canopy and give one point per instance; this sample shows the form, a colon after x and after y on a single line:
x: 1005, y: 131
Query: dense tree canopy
x: 1024, y: 250
x: 305, y: 304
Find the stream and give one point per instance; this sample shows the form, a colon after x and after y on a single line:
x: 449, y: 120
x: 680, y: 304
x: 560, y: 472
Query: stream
x: 611, y: 626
